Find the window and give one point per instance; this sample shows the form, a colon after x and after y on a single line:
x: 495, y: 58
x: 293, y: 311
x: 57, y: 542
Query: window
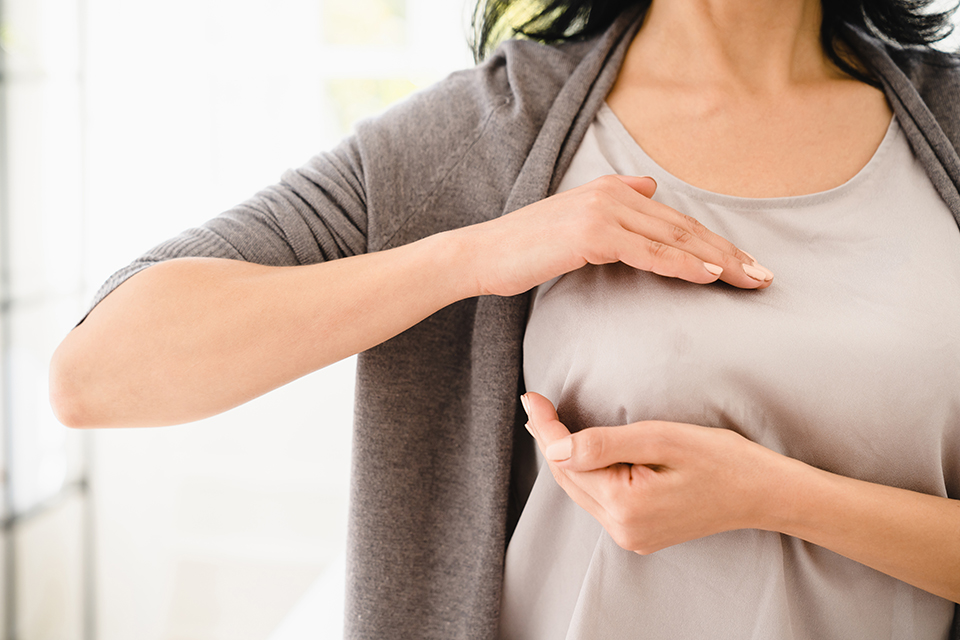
x: 122, y: 124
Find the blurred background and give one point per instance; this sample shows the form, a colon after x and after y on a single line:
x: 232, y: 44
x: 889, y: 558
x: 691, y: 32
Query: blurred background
x: 122, y: 123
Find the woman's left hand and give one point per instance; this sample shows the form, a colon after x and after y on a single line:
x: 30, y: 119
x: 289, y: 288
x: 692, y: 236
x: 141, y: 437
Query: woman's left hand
x: 655, y: 484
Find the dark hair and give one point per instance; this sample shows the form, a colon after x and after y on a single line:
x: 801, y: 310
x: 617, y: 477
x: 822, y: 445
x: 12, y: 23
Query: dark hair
x: 905, y: 22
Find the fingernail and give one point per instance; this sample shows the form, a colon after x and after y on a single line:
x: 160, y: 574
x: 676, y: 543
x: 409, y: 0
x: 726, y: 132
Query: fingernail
x: 527, y: 425
x: 526, y: 404
x: 714, y: 269
x: 651, y: 178
x: 755, y: 272
x: 559, y: 450
x: 768, y: 273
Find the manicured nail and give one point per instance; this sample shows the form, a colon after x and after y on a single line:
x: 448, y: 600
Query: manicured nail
x: 527, y: 425
x: 526, y: 404
x: 559, y: 450
x: 755, y: 272
x: 759, y: 266
x: 714, y: 269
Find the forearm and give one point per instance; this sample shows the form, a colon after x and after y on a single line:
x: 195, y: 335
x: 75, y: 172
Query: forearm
x: 911, y: 536
x: 189, y: 338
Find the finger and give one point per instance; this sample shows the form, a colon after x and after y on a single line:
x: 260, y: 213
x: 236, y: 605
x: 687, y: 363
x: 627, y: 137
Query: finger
x: 644, y: 185
x: 544, y: 424
x: 696, y: 240
x: 546, y: 428
x: 670, y: 215
x: 609, y: 495
x: 573, y: 484
x: 662, y: 259
x: 666, y: 225
x: 640, y: 443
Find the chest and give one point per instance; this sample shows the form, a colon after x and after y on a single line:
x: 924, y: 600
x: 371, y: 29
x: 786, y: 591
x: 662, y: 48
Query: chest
x: 850, y: 361
x: 787, y: 144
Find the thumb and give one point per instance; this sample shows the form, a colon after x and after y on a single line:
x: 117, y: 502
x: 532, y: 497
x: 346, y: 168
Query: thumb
x: 544, y: 423
x: 640, y: 443
x: 644, y: 185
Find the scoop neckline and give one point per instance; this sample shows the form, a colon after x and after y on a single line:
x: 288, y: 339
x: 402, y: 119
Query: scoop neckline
x: 664, y: 178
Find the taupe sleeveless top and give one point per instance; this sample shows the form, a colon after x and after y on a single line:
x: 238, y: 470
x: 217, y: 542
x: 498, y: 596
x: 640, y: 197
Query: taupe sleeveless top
x: 850, y: 362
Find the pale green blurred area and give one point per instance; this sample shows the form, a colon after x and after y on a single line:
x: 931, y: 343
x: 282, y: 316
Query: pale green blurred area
x: 358, y: 98
x: 365, y: 22
x: 350, y: 28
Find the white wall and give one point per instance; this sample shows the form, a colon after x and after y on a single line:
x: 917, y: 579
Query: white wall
x: 213, y: 530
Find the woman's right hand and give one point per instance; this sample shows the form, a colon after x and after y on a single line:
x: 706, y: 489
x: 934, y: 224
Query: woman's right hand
x: 611, y: 219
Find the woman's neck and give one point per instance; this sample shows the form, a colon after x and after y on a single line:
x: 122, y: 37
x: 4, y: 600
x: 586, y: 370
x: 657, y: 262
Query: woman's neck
x: 715, y: 91
x: 731, y: 45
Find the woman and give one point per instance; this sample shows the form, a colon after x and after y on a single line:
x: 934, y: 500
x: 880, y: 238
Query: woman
x: 428, y: 291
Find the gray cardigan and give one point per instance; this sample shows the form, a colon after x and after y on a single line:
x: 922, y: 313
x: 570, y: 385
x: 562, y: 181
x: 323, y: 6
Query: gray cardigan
x: 433, y: 495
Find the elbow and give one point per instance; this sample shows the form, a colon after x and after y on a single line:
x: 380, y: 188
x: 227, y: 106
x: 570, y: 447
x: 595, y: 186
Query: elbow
x: 67, y: 398
x: 67, y: 411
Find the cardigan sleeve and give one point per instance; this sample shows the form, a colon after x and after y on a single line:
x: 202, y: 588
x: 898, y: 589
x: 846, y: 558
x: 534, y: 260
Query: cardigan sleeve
x: 314, y: 213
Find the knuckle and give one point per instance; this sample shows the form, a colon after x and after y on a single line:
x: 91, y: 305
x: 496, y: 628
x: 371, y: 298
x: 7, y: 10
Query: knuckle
x: 681, y: 236
x: 625, y: 538
x: 595, y: 198
x: 695, y: 226
x: 609, y: 182
x: 658, y: 250
x: 594, y: 203
x: 589, y: 445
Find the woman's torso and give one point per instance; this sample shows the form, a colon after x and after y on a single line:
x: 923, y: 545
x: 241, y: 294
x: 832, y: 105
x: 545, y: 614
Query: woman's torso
x: 848, y: 362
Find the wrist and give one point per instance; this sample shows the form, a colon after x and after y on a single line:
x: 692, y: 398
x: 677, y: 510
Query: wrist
x: 451, y: 257
x: 784, y: 494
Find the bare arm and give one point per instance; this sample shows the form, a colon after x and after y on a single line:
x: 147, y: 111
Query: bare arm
x: 911, y: 536
x: 192, y: 337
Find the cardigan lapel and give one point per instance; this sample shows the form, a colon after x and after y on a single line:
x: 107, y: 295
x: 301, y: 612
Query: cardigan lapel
x: 572, y: 112
x: 924, y: 93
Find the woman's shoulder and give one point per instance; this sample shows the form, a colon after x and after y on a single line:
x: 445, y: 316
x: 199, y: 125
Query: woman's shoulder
x: 459, y: 145
x: 519, y: 80
x: 936, y: 77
